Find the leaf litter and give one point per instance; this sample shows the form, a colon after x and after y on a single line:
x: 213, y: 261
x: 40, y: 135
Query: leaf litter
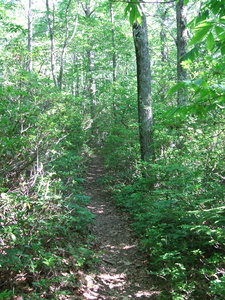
x: 121, y: 272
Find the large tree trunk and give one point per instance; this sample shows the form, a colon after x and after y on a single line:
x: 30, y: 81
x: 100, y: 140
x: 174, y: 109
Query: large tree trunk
x: 181, y: 12
x: 145, y: 114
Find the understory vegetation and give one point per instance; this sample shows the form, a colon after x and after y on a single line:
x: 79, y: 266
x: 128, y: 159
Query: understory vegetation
x: 178, y: 207
x: 44, y: 223
x: 68, y: 86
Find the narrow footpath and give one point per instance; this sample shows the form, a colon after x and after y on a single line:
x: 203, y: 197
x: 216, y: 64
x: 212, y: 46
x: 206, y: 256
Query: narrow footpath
x: 122, y: 270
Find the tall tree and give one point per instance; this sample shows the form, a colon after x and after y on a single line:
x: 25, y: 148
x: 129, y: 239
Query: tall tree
x: 181, y: 12
x: 114, y: 62
x: 30, y: 36
x: 90, y: 74
x: 145, y: 114
x: 51, y: 21
x: 164, y: 50
x: 67, y: 40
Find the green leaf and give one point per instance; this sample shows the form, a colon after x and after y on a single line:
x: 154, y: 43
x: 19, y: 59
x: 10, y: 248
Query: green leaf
x: 219, y: 30
x: 222, y: 37
x: 127, y: 9
x: 198, y: 81
x: 202, y: 31
x: 192, y: 54
x: 135, y: 12
x: 205, y: 24
x: 13, y: 237
x: 215, y: 7
x: 132, y: 15
x: 210, y: 42
x: 223, y: 50
x: 175, y: 88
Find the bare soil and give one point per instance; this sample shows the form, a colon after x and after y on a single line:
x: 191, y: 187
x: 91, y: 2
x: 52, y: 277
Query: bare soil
x: 121, y: 272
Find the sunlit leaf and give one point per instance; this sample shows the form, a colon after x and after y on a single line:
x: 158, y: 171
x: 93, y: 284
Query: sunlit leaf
x: 201, y: 32
x: 13, y: 237
x: 135, y: 12
x: 219, y: 30
x: 210, y: 42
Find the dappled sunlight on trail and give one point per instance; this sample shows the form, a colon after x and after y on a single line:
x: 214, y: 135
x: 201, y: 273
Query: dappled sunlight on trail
x: 121, y: 272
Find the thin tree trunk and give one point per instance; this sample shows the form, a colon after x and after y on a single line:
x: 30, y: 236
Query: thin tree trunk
x: 90, y: 75
x: 30, y: 36
x: 181, y: 12
x: 91, y: 82
x: 114, y: 62
x: 51, y: 17
x: 113, y: 43
x: 145, y: 114
x: 164, y: 53
x: 65, y: 44
x: 164, y: 48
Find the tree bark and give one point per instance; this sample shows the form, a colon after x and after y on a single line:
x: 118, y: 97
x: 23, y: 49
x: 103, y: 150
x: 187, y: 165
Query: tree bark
x: 113, y: 42
x: 145, y: 114
x: 52, y: 39
x: 164, y: 53
x: 164, y: 48
x: 90, y: 75
x: 91, y: 82
x: 67, y: 40
x: 114, y: 62
x: 181, y: 12
x: 30, y: 36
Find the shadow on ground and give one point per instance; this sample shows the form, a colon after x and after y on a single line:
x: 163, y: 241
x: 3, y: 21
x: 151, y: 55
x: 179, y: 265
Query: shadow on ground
x: 122, y: 269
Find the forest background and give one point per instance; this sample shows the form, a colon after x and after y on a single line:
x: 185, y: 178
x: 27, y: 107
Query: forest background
x: 68, y: 86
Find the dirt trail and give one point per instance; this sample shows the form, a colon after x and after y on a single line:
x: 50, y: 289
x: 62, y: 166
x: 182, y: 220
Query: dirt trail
x: 122, y: 272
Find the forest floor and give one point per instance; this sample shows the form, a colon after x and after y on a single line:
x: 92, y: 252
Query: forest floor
x: 121, y: 272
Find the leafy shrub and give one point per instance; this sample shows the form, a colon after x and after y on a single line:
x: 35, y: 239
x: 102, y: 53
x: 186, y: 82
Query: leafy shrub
x: 181, y: 220
x: 44, y: 223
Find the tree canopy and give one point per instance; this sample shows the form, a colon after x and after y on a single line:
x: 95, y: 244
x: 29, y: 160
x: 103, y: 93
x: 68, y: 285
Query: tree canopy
x: 70, y: 84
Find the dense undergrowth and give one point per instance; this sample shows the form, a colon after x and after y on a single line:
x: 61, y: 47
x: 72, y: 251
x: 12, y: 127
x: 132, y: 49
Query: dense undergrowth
x: 44, y: 223
x: 178, y: 205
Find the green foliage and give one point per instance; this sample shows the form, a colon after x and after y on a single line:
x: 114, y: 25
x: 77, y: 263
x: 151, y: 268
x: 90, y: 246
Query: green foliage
x: 44, y: 225
x: 209, y: 26
x: 135, y: 11
x: 6, y: 294
x: 44, y: 233
x: 181, y: 220
x: 177, y: 206
x: 121, y: 150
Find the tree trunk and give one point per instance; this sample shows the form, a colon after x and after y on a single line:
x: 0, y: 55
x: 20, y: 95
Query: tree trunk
x: 67, y: 40
x: 90, y: 74
x: 145, y: 114
x: 164, y: 54
x: 51, y: 17
x: 91, y: 82
x: 113, y: 42
x: 164, y: 48
x: 30, y: 36
x: 181, y: 50
x: 114, y: 63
